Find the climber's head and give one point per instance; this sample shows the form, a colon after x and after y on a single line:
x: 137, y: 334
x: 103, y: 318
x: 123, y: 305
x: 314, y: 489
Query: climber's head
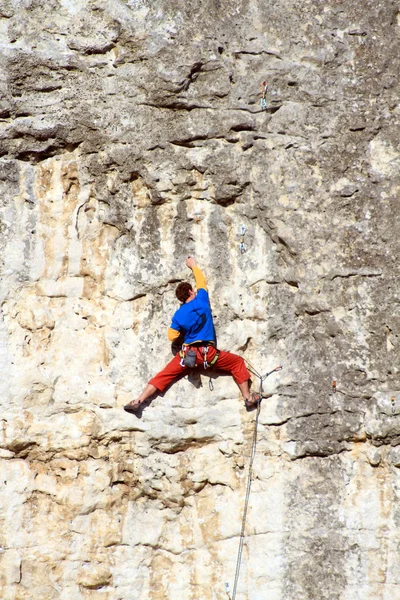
x: 184, y: 292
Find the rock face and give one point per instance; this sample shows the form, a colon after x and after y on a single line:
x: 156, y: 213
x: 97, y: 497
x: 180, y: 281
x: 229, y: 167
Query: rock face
x: 131, y: 136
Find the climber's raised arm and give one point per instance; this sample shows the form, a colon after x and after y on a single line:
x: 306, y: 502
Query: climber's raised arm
x: 185, y: 293
x: 199, y: 277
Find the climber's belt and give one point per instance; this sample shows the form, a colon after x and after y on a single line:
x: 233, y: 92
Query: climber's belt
x: 189, y: 355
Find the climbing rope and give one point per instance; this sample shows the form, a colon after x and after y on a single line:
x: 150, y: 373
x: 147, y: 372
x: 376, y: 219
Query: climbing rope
x: 261, y: 378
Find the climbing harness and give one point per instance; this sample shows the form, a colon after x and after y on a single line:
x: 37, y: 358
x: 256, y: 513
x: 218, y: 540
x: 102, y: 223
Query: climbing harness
x: 261, y: 378
x: 264, y: 89
x: 189, y: 357
x: 242, y: 244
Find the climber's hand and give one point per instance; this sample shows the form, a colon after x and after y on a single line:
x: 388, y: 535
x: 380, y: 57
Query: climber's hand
x: 190, y: 262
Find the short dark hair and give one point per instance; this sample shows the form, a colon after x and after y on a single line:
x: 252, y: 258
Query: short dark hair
x: 183, y: 291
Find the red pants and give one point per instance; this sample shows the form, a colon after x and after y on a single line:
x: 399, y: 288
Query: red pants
x: 232, y: 363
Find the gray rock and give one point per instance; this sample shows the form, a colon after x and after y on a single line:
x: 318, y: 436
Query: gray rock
x: 132, y: 135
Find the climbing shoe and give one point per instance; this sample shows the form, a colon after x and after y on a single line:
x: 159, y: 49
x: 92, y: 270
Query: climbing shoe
x: 253, y: 401
x: 133, y: 407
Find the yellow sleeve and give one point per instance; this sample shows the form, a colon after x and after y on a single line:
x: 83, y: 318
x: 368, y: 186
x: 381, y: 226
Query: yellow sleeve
x: 173, y: 334
x: 201, y: 283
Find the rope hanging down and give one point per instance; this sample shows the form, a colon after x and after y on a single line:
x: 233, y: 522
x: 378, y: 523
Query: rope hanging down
x: 261, y: 378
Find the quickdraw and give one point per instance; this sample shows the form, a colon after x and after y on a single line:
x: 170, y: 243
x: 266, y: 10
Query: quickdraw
x: 264, y: 89
x: 242, y: 244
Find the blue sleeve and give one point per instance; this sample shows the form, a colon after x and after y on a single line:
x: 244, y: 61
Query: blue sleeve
x: 174, y: 324
x: 203, y: 296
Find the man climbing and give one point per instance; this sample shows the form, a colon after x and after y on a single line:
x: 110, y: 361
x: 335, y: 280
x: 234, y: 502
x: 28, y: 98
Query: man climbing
x: 193, y: 320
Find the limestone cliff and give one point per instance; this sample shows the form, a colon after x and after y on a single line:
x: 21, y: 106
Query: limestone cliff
x: 131, y: 135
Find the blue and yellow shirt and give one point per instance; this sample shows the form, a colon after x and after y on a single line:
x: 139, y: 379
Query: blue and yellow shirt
x: 194, y: 319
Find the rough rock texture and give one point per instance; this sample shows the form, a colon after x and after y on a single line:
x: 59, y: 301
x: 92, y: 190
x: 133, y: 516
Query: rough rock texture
x: 131, y: 135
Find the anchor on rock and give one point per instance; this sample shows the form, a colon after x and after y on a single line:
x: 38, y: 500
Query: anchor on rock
x: 264, y: 89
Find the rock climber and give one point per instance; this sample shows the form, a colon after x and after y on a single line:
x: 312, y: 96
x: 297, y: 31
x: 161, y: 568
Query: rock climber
x: 193, y: 320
